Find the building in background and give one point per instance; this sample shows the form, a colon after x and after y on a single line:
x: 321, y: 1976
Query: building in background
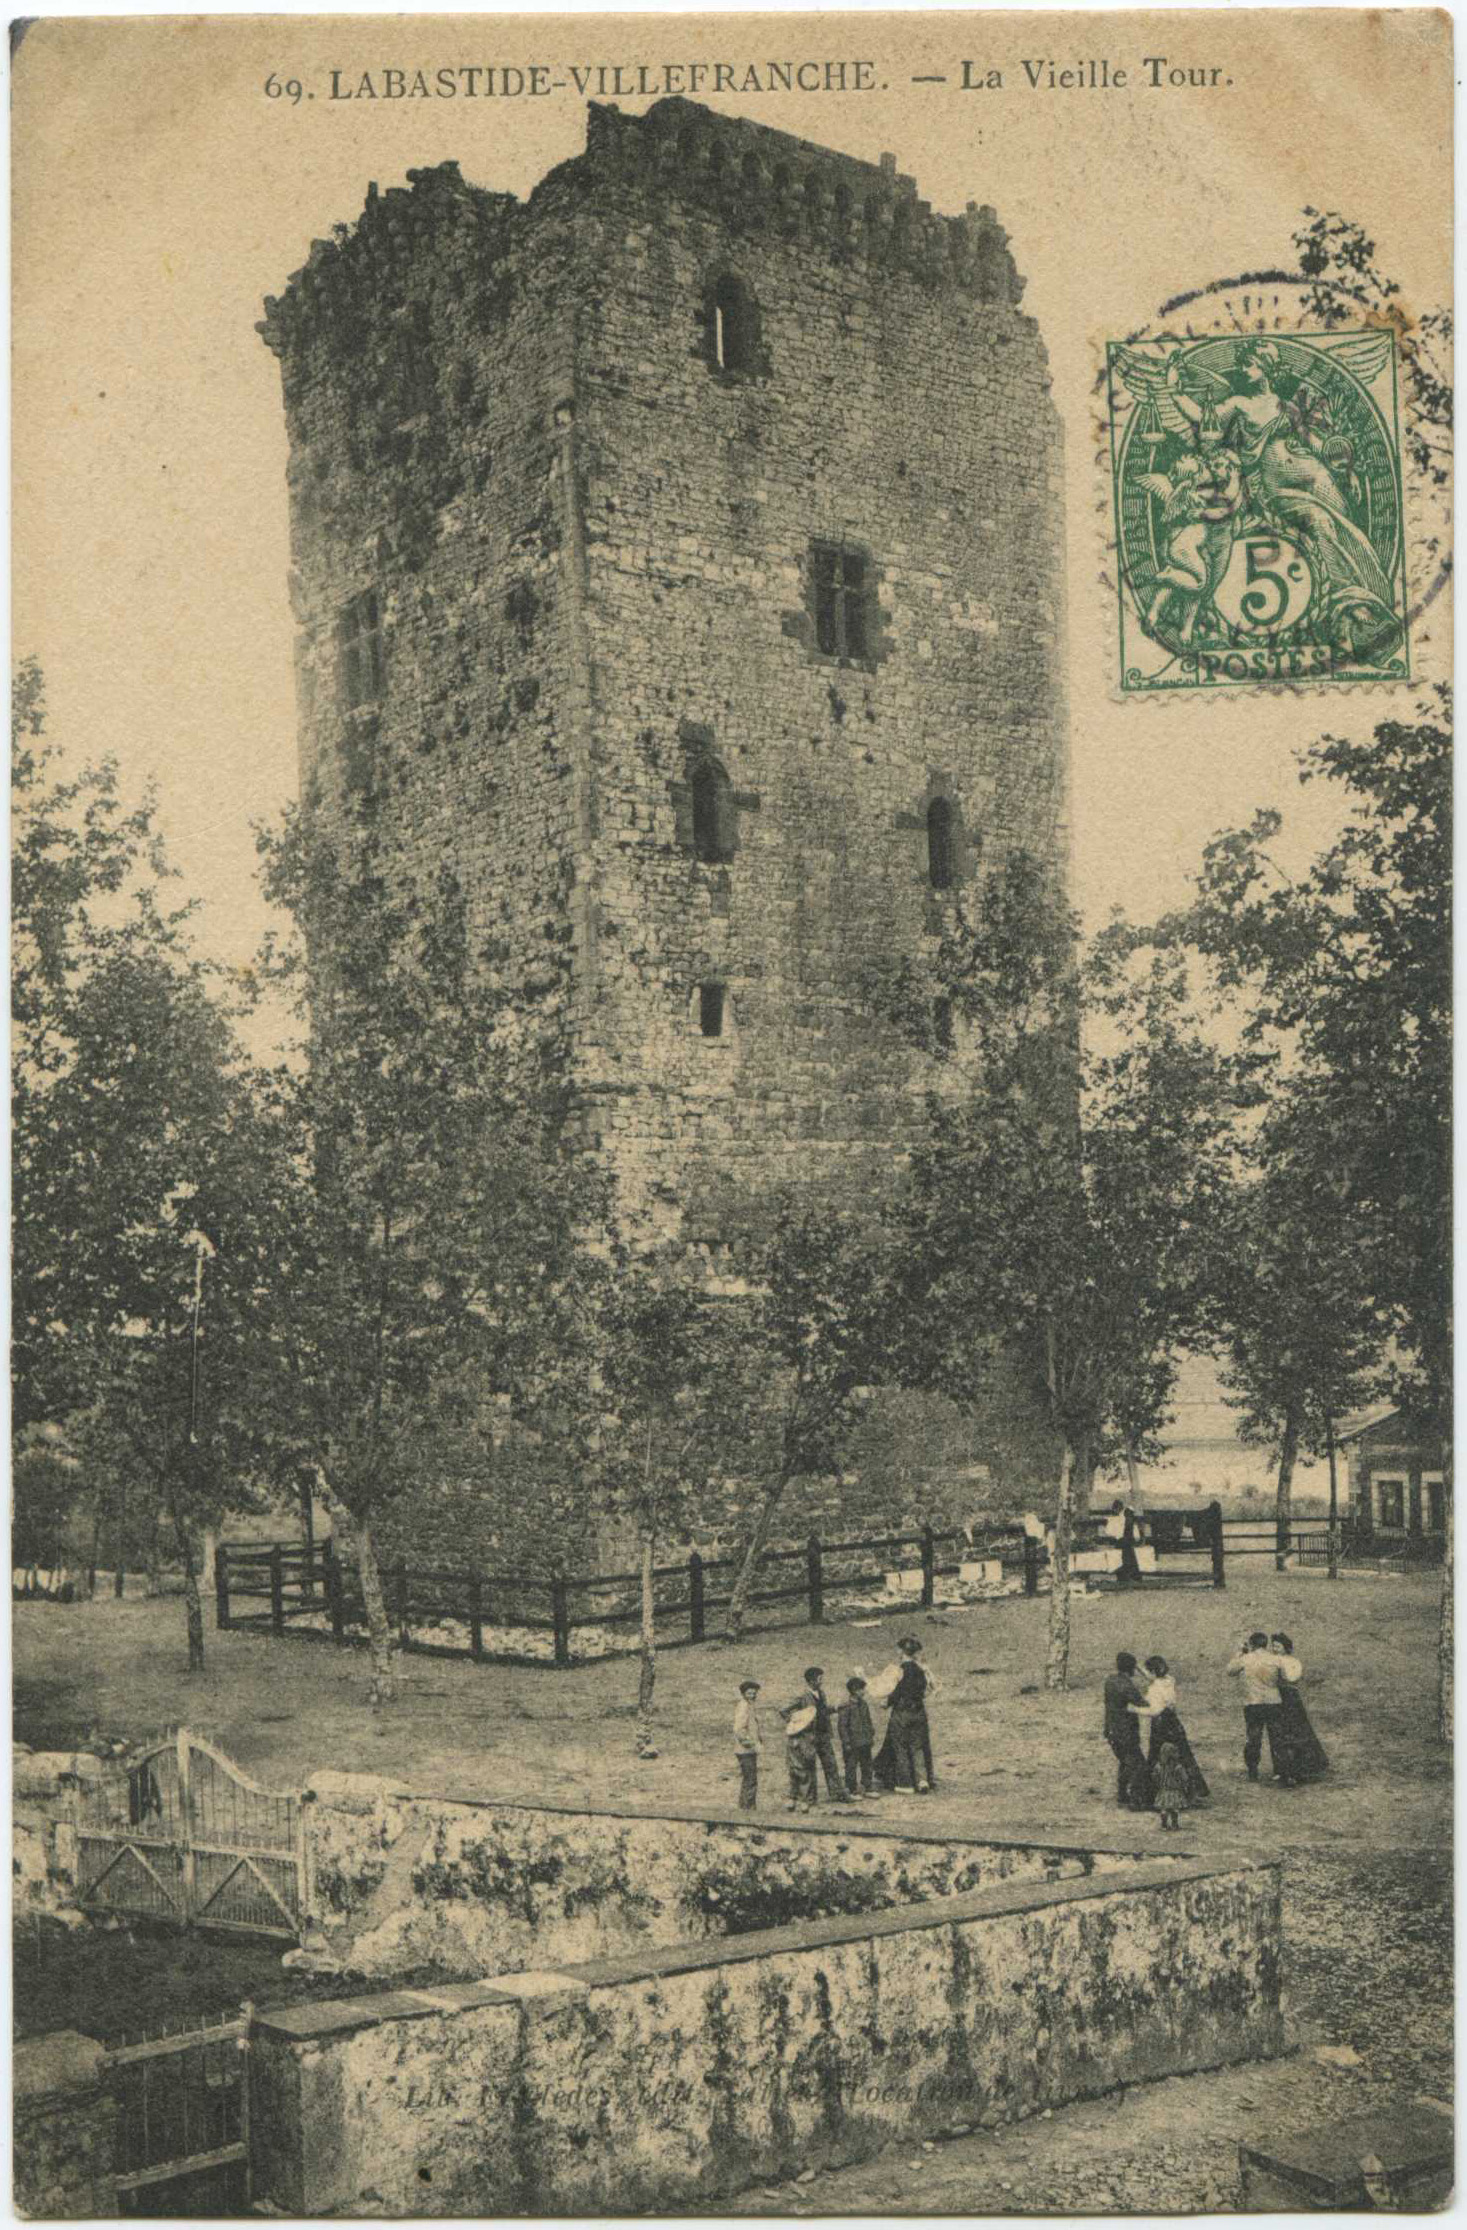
x: 1397, y: 1475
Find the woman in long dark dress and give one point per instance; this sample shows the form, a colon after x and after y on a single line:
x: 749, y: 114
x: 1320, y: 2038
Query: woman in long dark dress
x: 1298, y: 1752
x: 907, y: 1747
x: 1166, y: 1726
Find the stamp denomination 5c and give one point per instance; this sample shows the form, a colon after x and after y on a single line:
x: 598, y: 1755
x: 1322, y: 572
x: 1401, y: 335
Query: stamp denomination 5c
x: 1258, y: 513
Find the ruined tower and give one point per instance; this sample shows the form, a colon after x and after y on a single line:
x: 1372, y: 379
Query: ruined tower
x: 679, y: 551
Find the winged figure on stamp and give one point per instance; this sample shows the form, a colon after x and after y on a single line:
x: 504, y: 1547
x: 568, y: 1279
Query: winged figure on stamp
x: 1200, y: 499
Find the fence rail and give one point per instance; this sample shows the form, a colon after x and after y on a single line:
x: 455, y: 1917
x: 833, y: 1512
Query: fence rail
x: 274, y: 1587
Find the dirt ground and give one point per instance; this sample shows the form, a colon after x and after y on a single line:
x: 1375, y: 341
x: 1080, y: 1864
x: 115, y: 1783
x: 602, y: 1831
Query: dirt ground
x: 1368, y: 1876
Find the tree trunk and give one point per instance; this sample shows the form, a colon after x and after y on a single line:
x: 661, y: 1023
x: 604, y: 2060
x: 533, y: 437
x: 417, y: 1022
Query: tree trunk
x: 1057, y: 1664
x: 1132, y: 1476
x: 381, y: 1639
x: 1334, y: 1498
x: 119, y: 1577
x: 1283, y: 1508
x: 647, y: 1672
x: 308, y: 1534
x: 192, y: 1606
x: 1445, y: 1635
x: 758, y: 1541
x: 1081, y: 1488
x: 155, y: 1555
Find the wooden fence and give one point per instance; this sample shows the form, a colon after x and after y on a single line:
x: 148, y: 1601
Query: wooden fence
x: 1304, y: 1541
x: 273, y: 1588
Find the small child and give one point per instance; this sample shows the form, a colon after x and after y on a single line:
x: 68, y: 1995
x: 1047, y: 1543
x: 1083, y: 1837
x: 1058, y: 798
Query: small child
x: 1172, y: 1795
x: 857, y: 1737
x: 747, y: 1743
x: 801, y: 1753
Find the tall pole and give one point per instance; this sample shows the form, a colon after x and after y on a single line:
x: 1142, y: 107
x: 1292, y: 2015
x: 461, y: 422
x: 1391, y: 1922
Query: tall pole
x: 1334, y: 1497
x: 193, y: 1381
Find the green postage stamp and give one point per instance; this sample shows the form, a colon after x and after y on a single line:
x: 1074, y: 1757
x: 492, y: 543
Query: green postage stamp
x: 1258, y: 513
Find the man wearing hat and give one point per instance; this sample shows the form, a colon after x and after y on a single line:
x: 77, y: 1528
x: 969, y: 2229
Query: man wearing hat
x: 808, y: 1724
x: 747, y: 1743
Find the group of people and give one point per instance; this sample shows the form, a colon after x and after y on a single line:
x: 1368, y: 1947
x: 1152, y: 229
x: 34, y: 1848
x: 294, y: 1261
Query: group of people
x: 1159, y: 1773
x: 1162, y: 1775
x: 812, y: 1729
x: 1273, y: 1706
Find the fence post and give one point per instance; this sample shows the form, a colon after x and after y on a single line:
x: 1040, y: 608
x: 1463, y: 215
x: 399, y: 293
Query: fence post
x: 333, y: 1592
x: 814, y: 1580
x: 400, y: 1590
x: 929, y: 1566
x: 695, y: 1596
x: 277, y: 1592
x: 1031, y: 1565
x: 1219, y: 1576
x: 221, y: 1588
x: 476, y: 1618
x: 560, y: 1617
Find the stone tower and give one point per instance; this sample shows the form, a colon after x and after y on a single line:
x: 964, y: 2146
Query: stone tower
x: 680, y: 551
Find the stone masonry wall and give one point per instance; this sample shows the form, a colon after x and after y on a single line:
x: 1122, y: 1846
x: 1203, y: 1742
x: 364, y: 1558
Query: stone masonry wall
x: 900, y: 407
x: 43, y: 1834
x: 64, y: 2134
x: 402, y: 1880
x: 590, y: 550
x: 668, y: 2079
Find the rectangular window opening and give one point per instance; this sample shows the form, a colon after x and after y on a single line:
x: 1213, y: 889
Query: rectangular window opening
x: 359, y: 642
x: 710, y: 1009
x: 841, y: 603
x: 1392, y: 1494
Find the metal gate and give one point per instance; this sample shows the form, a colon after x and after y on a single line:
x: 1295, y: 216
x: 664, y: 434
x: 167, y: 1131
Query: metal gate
x: 184, y: 1836
x: 183, y: 2125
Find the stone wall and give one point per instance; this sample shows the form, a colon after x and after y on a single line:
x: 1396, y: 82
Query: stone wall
x: 671, y: 2078
x: 401, y: 1880
x: 553, y: 562
x: 43, y: 1838
x: 64, y: 2130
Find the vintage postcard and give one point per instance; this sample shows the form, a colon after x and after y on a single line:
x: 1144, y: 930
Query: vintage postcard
x: 731, y: 1126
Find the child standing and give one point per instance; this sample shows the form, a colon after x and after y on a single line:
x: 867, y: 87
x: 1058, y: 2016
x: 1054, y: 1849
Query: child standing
x: 857, y: 1736
x: 1173, y: 1790
x: 747, y: 1743
x: 799, y: 1728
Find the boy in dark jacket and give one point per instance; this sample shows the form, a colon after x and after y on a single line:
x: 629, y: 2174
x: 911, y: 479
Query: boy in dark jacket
x: 857, y: 1736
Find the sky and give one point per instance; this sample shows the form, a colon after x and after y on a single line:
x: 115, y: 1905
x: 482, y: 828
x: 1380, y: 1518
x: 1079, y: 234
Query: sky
x: 160, y: 193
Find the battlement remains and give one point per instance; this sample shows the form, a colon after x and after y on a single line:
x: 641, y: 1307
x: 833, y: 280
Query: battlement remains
x: 755, y: 179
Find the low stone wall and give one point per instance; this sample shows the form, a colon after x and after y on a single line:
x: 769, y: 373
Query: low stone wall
x: 677, y: 2076
x: 401, y: 1880
x: 65, y: 2130
x: 43, y: 1839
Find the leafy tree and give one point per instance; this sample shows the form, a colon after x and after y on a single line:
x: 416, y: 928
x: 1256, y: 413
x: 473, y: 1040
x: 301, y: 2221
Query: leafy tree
x: 1302, y: 1335
x: 671, y: 1393
x: 132, y: 1126
x: 1347, y: 970
x: 433, y: 1286
x: 45, y: 1486
x: 1058, y: 1202
x: 814, y: 1327
x: 96, y: 955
